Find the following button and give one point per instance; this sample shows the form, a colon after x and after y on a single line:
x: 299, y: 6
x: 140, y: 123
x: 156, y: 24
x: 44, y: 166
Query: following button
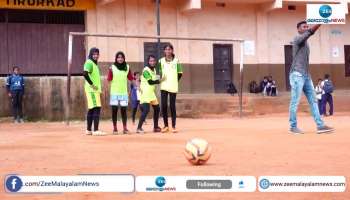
x: 209, y: 184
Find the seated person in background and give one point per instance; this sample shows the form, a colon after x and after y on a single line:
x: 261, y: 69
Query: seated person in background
x: 268, y: 86
x: 231, y: 89
x: 273, y: 89
x: 254, y: 87
x: 263, y: 84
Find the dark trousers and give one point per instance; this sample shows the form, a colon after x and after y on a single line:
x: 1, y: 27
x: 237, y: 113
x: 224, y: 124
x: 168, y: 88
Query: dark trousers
x: 273, y: 91
x: 123, y: 111
x: 145, y: 110
x: 319, y: 103
x: 135, y: 106
x: 268, y: 91
x: 164, y: 100
x: 17, y: 97
x: 93, y: 117
x: 327, y: 98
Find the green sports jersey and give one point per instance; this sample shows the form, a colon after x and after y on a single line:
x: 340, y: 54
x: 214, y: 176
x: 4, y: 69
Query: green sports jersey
x: 148, y: 93
x: 94, y: 75
x: 119, y: 84
x: 170, y: 71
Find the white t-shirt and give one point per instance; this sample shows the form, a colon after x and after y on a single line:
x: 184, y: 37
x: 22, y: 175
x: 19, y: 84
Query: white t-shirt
x: 319, y: 91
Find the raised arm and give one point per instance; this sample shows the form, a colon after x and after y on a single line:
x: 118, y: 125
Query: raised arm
x: 301, y: 38
x: 315, y: 28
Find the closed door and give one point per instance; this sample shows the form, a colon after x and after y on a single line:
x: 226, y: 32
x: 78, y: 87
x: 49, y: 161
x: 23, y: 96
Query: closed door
x: 222, y: 54
x: 288, y: 59
x: 151, y: 48
x: 347, y: 60
x: 3, y: 49
x: 37, y: 41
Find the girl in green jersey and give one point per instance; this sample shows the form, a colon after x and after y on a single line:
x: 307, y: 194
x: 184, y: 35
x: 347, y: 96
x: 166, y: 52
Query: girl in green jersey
x: 92, y: 89
x: 118, y: 76
x: 148, y: 94
x: 171, y: 72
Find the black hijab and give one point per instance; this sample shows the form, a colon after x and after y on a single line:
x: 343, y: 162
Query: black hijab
x: 120, y: 66
x: 92, y: 51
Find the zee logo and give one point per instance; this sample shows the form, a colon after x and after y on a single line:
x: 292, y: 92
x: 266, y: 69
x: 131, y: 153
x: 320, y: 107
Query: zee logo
x: 160, y: 181
x: 325, y: 11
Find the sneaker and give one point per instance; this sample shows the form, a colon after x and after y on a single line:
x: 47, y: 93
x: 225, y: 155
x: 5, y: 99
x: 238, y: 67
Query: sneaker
x: 174, y: 130
x: 140, y: 131
x: 325, y: 129
x: 157, y: 130
x: 125, y: 131
x: 295, y: 131
x: 20, y: 120
x: 115, y: 132
x: 98, y: 133
x: 88, y: 132
x: 165, y: 129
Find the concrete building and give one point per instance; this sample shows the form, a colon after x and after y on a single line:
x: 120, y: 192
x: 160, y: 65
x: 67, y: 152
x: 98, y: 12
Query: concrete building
x: 36, y: 39
x: 269, y: 25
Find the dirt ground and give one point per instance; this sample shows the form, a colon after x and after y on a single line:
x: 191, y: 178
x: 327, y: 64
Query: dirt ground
x: 250, y: 146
